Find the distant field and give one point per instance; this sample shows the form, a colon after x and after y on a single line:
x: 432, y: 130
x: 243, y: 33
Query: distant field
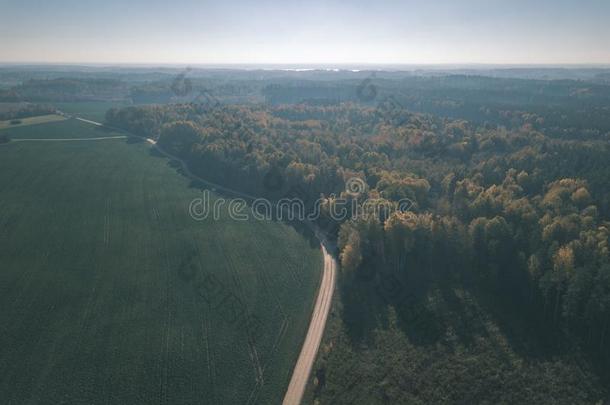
x: 91, y: 110
x: 70, y: 128
x: 111, y: 293
x: 41, y: 119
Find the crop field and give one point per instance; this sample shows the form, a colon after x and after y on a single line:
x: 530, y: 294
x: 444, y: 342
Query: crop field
x: 111, y: 293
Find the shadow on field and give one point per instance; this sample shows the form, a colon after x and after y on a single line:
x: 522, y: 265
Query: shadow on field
x: 154, y: 152
x: 104, y: 129
x: 303, y: 229
x: 134, y: 139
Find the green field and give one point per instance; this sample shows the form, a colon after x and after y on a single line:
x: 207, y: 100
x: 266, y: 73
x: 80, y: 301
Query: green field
x: 110, y: 293
x: 41, y: 119
x: 71, y: 128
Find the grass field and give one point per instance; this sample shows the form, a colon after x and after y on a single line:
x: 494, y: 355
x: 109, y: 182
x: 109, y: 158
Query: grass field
x: 91, y: 110
x: 41, y: 119
x: 110, y: 293
x: 70, y: 128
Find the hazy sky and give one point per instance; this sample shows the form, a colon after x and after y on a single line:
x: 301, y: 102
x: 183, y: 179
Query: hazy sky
x: 311, y: 31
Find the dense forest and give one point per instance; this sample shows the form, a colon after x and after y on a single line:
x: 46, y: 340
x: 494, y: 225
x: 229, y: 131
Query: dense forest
x: 518, y: 210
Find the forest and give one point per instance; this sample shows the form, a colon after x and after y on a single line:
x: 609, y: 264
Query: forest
x: 519, y: 211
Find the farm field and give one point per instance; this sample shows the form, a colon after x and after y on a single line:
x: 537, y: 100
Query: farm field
x: 65, y: 129
x: 111, y: 293
x: 41, y: 119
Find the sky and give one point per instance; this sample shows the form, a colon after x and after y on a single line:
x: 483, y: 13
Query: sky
x: 305, y: 32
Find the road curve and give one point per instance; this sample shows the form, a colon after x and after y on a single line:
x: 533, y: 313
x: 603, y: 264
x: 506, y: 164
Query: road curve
x: 302, y: 370
x: 304, y: 364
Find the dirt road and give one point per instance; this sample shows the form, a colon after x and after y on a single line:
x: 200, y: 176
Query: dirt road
x: 302, y: 370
